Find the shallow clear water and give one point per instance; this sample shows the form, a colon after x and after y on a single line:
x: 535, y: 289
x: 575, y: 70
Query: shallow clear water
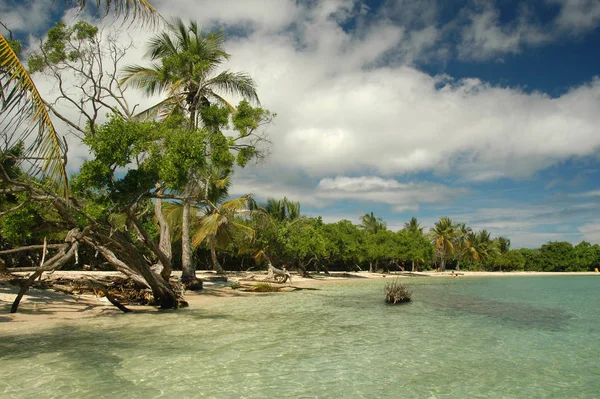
x: 511, y: 337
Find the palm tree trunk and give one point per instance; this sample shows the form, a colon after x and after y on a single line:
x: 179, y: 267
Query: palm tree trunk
x: 188, y: 270
x: 213, y: 254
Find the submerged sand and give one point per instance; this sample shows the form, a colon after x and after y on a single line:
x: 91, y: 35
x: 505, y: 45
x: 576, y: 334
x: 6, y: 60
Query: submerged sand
x: 40, y: 307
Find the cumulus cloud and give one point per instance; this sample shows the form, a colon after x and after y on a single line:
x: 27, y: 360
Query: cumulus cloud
x: 27, y: 15
x: 358, y: 120
x: 577, y: 16
x: 591, y: 231
x: 401, y: 196
x: 483, y: 37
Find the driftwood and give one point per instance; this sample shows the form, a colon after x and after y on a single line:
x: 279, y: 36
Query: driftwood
x: 278, y: 275
x: 66, y: 253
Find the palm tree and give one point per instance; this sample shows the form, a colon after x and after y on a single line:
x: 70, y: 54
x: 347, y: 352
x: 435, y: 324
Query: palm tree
x: 372, y: 225
x: 443, y: 234
x: 24, y: 117
x: 503, y: 244
x: 461, y: 242
x: 413, y: 226
x: 219, y: 226
x: 281, y: 210
x: 184, y: 64
x: 482, y: 247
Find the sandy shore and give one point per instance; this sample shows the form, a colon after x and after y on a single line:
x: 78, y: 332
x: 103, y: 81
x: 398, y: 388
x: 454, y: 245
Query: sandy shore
x: 48, y: 306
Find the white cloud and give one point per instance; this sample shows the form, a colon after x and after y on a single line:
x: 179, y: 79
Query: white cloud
x: 27, y: 15
x: 591, y: 231
x: 577, y: 16
x: 484, y: 37
x: 401, y: 196
x: 353, y: 126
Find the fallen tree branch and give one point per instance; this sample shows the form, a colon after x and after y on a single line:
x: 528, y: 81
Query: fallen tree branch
x: 56, y: 262
x: 31, y: 248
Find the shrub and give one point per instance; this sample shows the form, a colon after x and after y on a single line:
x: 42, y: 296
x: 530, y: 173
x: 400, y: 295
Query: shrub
x: 395, y: 292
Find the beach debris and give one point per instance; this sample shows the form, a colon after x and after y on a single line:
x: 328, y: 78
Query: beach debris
x: 279, y: 275
x: 396, y: 292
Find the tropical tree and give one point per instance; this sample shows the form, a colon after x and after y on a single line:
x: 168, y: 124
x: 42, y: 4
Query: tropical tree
x: 482, y: 248
x: 220, y: 225
x: 462, y: 243
x: 184, y: 65
x: 503, y: 244
x: 23, y: 113
x: 372, y: 225
x: 413, y: 226
x: 282, y: 210
x: 443, y: 235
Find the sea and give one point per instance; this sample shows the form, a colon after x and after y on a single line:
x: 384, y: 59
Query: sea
x: 468, y: 337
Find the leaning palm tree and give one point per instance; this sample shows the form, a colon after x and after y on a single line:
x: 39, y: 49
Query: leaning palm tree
x: 24, y: 118
x: 219, y: 226
x: 25, y: 121
x: 443, y: 234
x: 184, y: 64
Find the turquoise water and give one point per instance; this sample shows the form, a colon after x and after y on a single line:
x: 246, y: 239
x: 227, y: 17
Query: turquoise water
x: 501, y: 337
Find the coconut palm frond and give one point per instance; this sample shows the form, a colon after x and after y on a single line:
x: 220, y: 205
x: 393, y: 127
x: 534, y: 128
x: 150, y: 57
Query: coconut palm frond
x: 221, y: 100
x: 235, y: 83
x: 235, y: 205
x: 160, y: 111
x: 25, y: 118
x: 134, y: 9
x: 209, y: 225
x: 145, y: 78
x: 246, y: 231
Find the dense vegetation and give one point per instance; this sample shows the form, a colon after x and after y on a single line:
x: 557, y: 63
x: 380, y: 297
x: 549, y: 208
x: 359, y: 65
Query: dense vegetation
x: 153, y: 195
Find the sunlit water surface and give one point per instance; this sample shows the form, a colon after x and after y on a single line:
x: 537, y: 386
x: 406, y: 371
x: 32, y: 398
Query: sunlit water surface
x: 510, y: 337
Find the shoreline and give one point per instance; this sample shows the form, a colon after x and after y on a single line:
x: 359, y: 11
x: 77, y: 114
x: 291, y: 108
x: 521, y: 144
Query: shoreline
x: 50, y: 307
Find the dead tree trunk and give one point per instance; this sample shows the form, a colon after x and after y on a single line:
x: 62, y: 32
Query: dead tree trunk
x: 274, y: 273
x: 65, y: 254
x: 302, y: 269
x: 125, y: 257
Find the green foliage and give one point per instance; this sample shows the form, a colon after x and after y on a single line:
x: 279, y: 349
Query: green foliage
x: 215, y: 117
x: 509, y: 261
x: 118, y: 142
x: 61, y: 45
x: 344, y: 243
x: 17, y: 227
x: 182, y: 154
x: 557, y: 256
x: 16, y: 46
x: 8, y: 160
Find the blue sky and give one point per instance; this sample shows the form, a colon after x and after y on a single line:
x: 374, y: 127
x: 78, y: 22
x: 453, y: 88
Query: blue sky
x: 484, y: 111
